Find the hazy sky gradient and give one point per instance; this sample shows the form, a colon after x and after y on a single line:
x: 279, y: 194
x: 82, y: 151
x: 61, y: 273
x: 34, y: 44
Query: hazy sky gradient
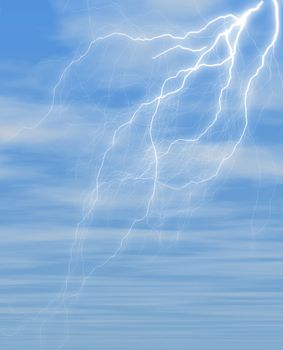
x: 203, y: 268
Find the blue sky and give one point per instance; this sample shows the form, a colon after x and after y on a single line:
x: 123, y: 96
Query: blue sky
x: 119, y: 235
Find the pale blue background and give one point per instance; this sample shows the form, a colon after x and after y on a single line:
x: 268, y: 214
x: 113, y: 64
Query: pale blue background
x: 207, y: 276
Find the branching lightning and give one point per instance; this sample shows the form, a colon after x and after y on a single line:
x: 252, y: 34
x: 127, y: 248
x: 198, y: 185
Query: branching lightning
x: 234, y: 27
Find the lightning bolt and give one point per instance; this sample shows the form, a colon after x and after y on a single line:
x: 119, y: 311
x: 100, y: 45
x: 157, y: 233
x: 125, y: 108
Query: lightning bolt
x: 231, y: 35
